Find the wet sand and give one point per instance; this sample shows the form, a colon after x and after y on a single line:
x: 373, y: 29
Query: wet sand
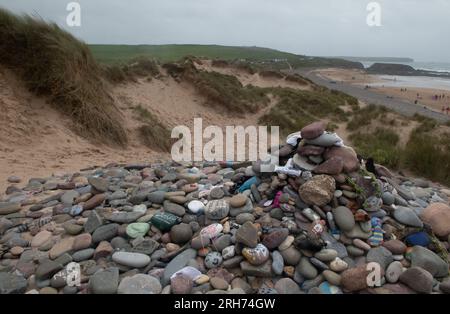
x: 408, y: 89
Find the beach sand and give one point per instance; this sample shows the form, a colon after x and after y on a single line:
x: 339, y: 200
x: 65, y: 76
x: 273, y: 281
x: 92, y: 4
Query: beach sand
x: 359, y: 77
x: 425, y: 96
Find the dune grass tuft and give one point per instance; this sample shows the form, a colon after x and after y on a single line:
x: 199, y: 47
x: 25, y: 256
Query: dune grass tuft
x: 55, y: 64
x: 152, y: 133
x: 296, y: 108
x: 380, y: 144
x: 222, y: 91
x: 138, y: 67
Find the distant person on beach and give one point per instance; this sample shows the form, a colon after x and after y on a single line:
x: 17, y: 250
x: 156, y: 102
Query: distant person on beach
x: 448, y: 109
x: 443, y: 109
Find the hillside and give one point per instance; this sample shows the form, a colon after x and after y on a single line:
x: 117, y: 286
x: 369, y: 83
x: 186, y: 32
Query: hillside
x: 265, y: 57
x: 377, y: 59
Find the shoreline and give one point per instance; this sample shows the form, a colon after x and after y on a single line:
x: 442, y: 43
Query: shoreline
x: 369, y: 88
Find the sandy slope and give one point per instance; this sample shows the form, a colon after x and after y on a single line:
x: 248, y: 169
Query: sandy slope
x: 250, y: 79
x: 36, y: 140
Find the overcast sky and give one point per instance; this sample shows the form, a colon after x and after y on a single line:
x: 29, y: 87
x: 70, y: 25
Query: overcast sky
x: 410, y: 28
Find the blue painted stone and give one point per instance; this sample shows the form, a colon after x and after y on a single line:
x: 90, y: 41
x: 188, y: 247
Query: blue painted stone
x: 247, y: 184
x: 418, y: 238
x: 326, y: 288
x: 76, y: 210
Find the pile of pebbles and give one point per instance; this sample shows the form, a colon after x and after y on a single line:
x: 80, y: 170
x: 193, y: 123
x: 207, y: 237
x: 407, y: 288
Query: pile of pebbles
x: 215, y: 227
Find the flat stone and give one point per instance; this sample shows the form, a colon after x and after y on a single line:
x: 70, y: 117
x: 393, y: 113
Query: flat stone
x: 181, y: 284
x: 417, y: 279
x: 313, y: 130
x: 61, y: 247
x: 9, y: 208
x: 47, y: 269
x: 174, y: 209
x: 94, y: 201
x: 393, y: 272
x: 256, y: 256
x: 103, y: 250
x: 428, y: 260
x: 221, y: 242
x: 41, y: 238
x: 104, y: 233
x: 218, y: 283
x: 93, y: 222
x: 286, y: 243
x: 264, y: 270
x: 217, y: 209
x: 157, y: 197
x: 100, y: 184
x: 388, y: 198
x: 326, y: 140
x: 244, y: 217
x: 196, y: 206
x: 306, y: 269
x: 318, y: 191
x: 380, y: 255
x: 332, y: 166
x: 396, y: 247
x: 304, y: 163
x: 287, y: 286
x: 228, y: 252
x: 125, y: 217
x: 344, y: 218
x: 12, y: 283
x: 238, y: 200
x: 69, y: 197
x: 181, y: 233
x: 164, y: 221
x: 177, y: 263
x: 104, y: 281
x: 137, y: 229
x: 72, y: 229
x: 139, y: 284
x: 408, y: 217
x: 144, y: 245
x: 437, y: 215
x: 83, y: 255
x: 338, y: 265
x: 326, y: 255
x: 332, y: 277
x: 247, y: 234
x: 348, y: 156
x: 277, y: 263
x: 130, y: 259
x: 291, y: 256
x: 82, y: 241
x: 14, y: 179
x: 273, y: 239
x: 213, y: 260
x: 355, y: 279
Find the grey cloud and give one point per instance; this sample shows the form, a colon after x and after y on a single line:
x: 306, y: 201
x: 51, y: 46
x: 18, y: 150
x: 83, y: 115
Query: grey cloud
x: 410, y: 28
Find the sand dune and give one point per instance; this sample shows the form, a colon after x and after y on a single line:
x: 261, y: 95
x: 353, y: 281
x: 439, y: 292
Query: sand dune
x: 36, y: 139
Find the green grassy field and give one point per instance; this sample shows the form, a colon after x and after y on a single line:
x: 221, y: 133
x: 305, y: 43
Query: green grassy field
x: 111, y: 54
x: 119, y: 54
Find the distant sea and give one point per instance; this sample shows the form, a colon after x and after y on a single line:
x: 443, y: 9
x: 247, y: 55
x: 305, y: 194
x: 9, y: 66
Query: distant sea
x: 430, y: 66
